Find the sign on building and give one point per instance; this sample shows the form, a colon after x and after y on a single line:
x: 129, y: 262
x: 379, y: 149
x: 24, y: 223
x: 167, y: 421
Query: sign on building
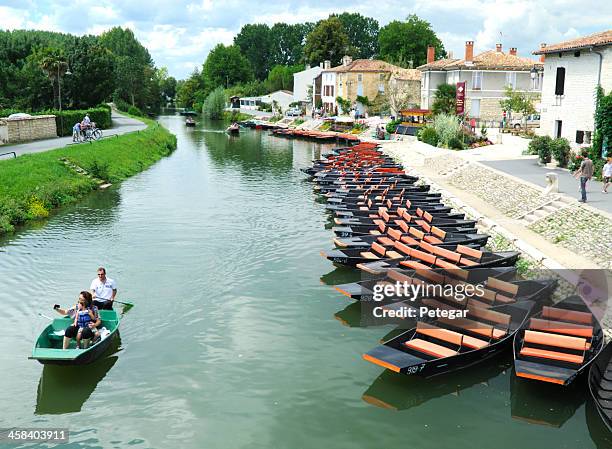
x: 460, y: 98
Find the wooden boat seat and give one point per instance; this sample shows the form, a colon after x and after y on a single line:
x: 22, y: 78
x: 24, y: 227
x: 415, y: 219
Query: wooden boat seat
x: 450, y: 336
x: 554, y: 355
x: 438, y: 232
x: 413, y: 264
x: 429, y: 348
x: 476, y: 327
x: 394, y: 255
x: 375, y: 232
x: 385, y: 241
x: 470, y: 252
x: 555, y: 340
x: 560, y: 327
x: 409, y: 240
x: 369, y: 255
x: 432, y: 239
x: 503, y: 286
x: 394, y: 234
x: 554, y: 313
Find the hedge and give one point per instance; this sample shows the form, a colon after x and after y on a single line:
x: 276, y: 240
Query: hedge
x: 101, y: 116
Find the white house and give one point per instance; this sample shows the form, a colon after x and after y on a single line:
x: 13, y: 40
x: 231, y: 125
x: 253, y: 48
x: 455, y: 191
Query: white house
x: 572, y: 71
x: 485, y: 75
x: 283, y: 99
x: 303, y: 81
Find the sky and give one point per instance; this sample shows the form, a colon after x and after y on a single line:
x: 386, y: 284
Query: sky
x: 180, y: 33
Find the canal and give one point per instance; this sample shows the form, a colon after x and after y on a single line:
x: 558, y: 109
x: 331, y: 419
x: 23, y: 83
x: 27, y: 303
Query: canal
x: 234, y: 340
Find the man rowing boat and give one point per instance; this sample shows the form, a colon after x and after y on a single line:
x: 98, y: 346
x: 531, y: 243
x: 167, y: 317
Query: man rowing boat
x: 103, y: 290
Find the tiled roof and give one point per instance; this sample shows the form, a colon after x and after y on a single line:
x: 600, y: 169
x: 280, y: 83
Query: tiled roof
x: 593, y: 40
x: 488, y: 60
x: 437, y: 65
x: 407, y: 75
x: 365, y: 65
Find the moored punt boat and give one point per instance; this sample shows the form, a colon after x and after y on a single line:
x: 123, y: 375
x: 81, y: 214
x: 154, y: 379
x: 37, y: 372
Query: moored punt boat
x: 445, y: 344
x: 464, y: 257
x: 558, y: 343
x: 389, y: 238
x: 48, y: 346
x: 600, y: 385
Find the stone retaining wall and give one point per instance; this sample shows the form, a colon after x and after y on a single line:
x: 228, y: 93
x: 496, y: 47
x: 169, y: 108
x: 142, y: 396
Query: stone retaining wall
x: 29, y: 128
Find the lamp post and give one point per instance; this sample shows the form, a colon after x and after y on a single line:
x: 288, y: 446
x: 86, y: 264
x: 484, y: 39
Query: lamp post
x: 59, y: 89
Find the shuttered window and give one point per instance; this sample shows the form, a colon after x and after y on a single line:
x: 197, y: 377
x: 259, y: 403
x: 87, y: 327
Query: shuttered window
x: 579, y: 136
x: 560, y: 84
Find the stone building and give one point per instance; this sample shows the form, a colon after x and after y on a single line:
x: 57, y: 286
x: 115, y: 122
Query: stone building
x: 572, y: 71
x: 26, y: 128
x: 367, y: 78
x: 485, y: 75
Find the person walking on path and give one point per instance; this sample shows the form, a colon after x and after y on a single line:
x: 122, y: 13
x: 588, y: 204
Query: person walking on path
x: 606, y: 174
x: 585, y: 172
x: 103, y: 290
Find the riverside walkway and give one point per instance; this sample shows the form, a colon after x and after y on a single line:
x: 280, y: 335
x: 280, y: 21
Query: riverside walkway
x: 121, y: 125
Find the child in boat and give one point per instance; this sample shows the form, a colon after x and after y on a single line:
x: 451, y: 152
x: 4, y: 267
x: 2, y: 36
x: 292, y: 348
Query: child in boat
x: 86, y: 321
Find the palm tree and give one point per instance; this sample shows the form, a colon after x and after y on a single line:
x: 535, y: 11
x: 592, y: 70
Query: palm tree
x: 53, y: 62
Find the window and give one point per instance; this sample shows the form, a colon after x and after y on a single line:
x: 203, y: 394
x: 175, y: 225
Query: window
x: 560, y: 81
x: 535, y: 82
x: 587, y: 137
x: 576, y: 54
x: 579, y: 136
x: 511, y: 79
x: 381, y: 88
x: 476, y: 80
x: 475, y: 109
x: 381, y: 77
x: 558, y: 127
x: 360, y: 77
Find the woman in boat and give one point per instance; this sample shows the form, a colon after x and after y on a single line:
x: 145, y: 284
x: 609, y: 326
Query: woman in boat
x: 86, y: 321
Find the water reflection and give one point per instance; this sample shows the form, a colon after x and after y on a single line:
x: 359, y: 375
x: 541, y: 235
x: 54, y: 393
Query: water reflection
x: 65, y: 389
x: 545, y: 404
x: 399, y: 392
x: 341, y: 275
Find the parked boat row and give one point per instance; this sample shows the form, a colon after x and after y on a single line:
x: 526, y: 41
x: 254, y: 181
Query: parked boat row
x: 397, y: 232
x: 321, y: 136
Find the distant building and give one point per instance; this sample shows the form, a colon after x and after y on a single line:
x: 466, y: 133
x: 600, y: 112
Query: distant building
x: 573, y: 69
x: 365, y: 78
x: 303, y: 84
x: 283, y: 99
x: 485, y: 75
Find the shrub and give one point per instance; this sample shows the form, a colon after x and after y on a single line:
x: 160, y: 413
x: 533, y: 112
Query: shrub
x: 574, y: 162
x: 105, y: 106
x: 429, y: 136
x: 560, y: 149
x: 455, y: 143
x: 392, y: 125
x: 447, y: 127
x: 65, y: 120
x: 133, y: 110
x: 121, y: 104
x: 345, y: 105
x: 215, y: 104
x: 540, y: 145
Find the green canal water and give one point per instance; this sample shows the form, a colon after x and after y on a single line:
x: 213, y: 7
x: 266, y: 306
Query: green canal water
x: 235, y: 342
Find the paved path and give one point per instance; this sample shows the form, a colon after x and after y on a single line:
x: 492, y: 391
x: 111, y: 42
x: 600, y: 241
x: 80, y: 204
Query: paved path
x: 121, y: 125
x: 529, y: 170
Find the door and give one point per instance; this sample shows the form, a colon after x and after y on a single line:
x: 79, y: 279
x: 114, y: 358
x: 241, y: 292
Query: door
x: 558, y: 125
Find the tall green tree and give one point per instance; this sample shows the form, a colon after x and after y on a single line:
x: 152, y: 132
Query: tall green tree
x: 408, y: 41
x: 362, y: 34
x: 255, y: 42
x: 288, y: 43
x: 328, y: 41
x: 54, y: 64
x: 281, y: 77
x: 224, y: 67
x: 189, y: 92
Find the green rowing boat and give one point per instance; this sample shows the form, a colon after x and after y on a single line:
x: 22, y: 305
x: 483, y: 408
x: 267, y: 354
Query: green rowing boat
x: 48, y: 347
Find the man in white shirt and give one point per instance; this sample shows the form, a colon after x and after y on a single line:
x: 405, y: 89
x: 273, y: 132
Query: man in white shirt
x: 103, y: 290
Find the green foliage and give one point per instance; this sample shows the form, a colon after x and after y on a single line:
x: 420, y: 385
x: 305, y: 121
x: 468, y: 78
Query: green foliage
x: 121, y: 104
x: 407, y: 41
x: 281, y: 77
x: 560, y: 149
x: 133, y: 110
x: 518, y: 101
x: 215, y: 104
x: 541, y: 145
x: 429, y: 136
x: 34, y: 184
x: 445, y: 99
x: 328, y: 41
x: 448, y: 129
x: 65, y: 120
x: 603, y: 124
x: 325, y: 126
x: 190, y: 91
x: 455, y: 143
x: 363, y: 100
x: 362, y: 33
x: 345, y: 104
x: 288, y: 43
x: 255, y: 43
x: 225, y: 67
x: 392, y: 125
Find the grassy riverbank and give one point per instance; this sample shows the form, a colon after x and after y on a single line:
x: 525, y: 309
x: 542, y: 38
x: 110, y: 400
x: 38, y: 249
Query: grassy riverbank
x: 34, y: 184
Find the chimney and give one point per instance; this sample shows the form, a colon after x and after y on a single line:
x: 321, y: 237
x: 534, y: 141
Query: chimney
x: 513, y: 51
x: 327, y: 64
x: 431, y: 54
x: 498, y: 48
x: 346, y: 60
x: 321, y: 64
x: 450, y: 54
x: 307, y: 66
x: 469, y: 51
x: 542, y: 56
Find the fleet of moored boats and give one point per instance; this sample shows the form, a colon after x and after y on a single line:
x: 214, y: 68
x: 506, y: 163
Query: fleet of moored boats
x: 398, y: 232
